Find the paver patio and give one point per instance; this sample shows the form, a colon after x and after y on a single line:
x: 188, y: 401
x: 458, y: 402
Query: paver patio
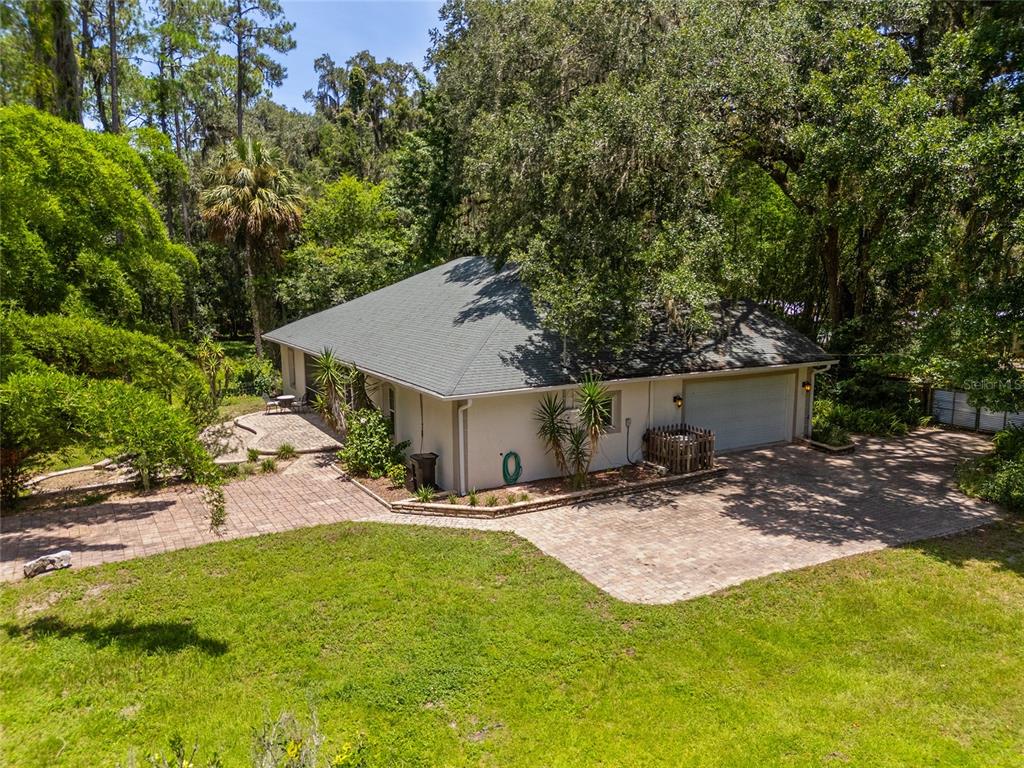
x: 777, y: 509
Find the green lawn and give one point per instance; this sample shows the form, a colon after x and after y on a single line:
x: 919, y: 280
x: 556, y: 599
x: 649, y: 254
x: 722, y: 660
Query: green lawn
x: 463, y: 648
x: 233, y: 406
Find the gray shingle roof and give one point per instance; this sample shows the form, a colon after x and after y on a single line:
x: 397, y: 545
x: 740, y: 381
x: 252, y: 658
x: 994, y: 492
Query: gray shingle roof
x: 461, y: 329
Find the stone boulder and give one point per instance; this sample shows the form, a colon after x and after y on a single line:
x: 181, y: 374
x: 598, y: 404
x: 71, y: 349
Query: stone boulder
x: 53, y: 562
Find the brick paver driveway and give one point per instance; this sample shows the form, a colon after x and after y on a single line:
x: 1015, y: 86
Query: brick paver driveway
x: 777, y: 509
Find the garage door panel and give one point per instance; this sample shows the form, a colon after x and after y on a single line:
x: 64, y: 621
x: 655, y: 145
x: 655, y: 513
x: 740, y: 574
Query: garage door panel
x: 743, y: 412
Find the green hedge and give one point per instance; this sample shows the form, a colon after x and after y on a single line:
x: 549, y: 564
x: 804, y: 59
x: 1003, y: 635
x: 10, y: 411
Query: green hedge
x: 81, y: 346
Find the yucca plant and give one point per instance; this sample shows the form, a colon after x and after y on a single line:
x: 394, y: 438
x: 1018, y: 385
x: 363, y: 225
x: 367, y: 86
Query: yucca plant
x: 331, y: 377
x: 552, y: 428
x: 594, y: 403
x: 577, y: 454
x: 594, y: 407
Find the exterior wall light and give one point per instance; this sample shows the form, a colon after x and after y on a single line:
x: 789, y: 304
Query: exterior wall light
x: 807, y: 386
x: 678, y: 400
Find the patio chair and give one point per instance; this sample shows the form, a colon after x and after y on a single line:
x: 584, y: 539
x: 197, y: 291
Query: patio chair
x: 271, y: 405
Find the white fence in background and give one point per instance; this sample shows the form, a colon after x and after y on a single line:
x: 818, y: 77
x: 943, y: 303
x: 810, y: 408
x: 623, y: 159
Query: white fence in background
x: 949, y: 407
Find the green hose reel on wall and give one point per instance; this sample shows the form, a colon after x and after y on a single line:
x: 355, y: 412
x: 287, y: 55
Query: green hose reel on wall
x: 511, y: 475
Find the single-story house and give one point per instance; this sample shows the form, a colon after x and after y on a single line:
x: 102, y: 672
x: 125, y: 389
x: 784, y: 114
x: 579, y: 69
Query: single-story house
x: 456, y: 356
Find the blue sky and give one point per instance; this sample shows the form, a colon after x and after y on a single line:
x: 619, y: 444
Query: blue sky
x: 396, y: 28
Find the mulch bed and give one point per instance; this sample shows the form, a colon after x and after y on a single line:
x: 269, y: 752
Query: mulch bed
x: 533, y: 490
x: 384, y: 488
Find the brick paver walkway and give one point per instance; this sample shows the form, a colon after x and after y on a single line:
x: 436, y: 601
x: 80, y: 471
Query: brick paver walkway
x: 777, y: 509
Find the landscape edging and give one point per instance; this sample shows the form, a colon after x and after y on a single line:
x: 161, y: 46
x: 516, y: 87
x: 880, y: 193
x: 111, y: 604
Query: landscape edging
x: 410, y: 507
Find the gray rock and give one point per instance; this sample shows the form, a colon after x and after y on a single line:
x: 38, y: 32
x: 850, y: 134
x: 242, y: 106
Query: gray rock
x: 53, y: 562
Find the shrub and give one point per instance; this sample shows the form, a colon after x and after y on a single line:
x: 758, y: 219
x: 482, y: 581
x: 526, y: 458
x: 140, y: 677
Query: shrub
x: 368, y: 449
x: 424, y: 493
x: 999, y: 476
x: 831, y: 415
x: 84, y: 347
x: 286, y: 451
x: 229, y: 471
x: 453, y: 498
x: 471, y: 497
x: 268, y: 465
x: 396, y: 474
x: 831, y: 434
x: 44, y: 412
x: 1009, y: 443
x: 492, y: 500
x: 524, y: 496
x: 252, y: 455
x: 511, y: 498
x: 255, y: 376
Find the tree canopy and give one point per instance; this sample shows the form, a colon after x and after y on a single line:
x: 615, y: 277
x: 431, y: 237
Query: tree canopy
x: 78, y: 228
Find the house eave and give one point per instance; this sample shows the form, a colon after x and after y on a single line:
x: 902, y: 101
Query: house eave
x: 745, y: 370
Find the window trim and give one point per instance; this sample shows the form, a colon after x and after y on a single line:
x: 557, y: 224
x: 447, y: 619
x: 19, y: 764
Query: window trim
x: 391, y: 407
x: 615, y: 420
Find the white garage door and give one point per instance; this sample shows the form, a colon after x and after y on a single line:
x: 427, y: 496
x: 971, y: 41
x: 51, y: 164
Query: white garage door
x: 743, y: 412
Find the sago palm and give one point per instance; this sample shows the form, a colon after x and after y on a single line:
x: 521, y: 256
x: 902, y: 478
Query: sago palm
x: 251, y: 202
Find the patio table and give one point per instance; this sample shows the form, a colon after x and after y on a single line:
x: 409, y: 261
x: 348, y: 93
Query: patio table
x: 285, y: 401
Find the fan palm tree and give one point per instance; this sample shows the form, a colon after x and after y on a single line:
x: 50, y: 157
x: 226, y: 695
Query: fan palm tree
x: 251, y: 202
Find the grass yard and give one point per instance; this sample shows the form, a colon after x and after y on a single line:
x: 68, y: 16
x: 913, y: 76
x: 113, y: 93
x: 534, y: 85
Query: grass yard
x: 233, y: 406
x: 463, y: 648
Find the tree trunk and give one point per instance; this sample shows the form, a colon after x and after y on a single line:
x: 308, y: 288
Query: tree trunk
x: 39, y: 27
x: 239, y: 69
x: 254, y: 309
x: 115, y: 107
x: 87, y: 47
x: 830, y: 258
x: 65, y: 64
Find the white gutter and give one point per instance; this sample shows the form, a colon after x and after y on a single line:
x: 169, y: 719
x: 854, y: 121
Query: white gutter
x: 463, y: 464
x: 669, y: 376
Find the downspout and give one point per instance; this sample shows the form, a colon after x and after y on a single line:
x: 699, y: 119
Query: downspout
x: 462, y: 446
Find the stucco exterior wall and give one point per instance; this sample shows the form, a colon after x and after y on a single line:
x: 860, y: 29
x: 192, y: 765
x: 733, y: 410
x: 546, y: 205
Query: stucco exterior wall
x: 433, y: 435
x: 293, y: 360
x: 498, y: 424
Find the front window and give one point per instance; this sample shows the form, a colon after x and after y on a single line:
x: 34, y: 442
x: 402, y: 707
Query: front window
x: 612, y: 422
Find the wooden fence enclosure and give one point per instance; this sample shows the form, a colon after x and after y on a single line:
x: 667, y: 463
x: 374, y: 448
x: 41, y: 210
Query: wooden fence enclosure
x: 680, y: 448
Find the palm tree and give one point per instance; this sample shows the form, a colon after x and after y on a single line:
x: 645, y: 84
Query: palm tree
x: 252, y: 203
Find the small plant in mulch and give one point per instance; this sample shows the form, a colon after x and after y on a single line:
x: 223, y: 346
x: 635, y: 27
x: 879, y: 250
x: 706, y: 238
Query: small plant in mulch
x: 424, y: 494
x: 511, y: 497
x: 230, y: 471
x: 268, y: 465
x: 252, y: 455
x: 524, y: 496
x: 453, y: 498
x: 472, y: 497
x: 397, y: 474
x: 492, y: 500
x: 286, y: 451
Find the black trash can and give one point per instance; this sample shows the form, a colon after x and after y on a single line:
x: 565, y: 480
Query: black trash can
x: 424, y: 466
